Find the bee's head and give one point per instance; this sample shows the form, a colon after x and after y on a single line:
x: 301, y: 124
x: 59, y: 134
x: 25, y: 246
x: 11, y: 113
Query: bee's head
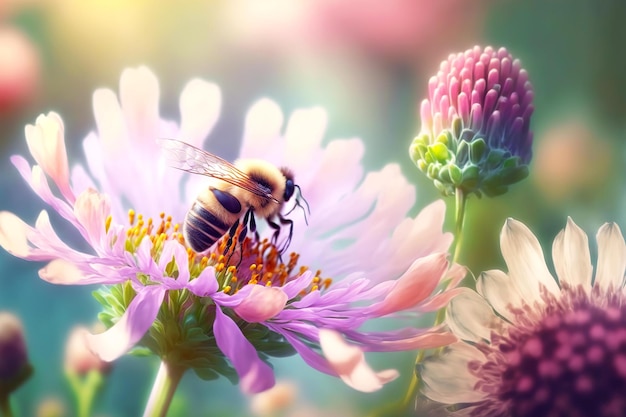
x: 290, y: 190
x: 290, y: 186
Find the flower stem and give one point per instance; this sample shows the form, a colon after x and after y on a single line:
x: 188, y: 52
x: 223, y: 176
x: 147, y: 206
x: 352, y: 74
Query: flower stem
x: 459, y: 219
x: 85, y: 390
x: 5, y: 406
x: 165, y: 385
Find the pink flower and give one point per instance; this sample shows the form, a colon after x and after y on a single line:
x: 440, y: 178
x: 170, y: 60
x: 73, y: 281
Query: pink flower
x: 357, y: 233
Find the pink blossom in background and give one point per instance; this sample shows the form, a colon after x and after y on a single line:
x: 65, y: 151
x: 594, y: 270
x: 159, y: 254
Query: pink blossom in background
x: 401, y: 30
x: 20, y: 69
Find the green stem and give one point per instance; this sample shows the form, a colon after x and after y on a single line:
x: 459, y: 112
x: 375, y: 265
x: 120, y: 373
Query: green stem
x: 460, y: 200
x: 165, y: 385
x: 5, y: 406
x: 459, y: 219
x: 87, y: 393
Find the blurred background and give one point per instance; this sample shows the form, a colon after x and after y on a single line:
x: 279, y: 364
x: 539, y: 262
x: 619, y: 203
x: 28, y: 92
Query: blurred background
x: 367, y: 62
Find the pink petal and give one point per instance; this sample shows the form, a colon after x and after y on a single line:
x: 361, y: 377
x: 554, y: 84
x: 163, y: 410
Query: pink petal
x: 263, y: 123
x: 46, y: 144
x: 200, y: 104
x: 416, y: 285
x: 13, y: 235
x: 91, y: 210
x: 139, y: 98
x: 426, y: 340
x: 60, y: 271
x: 205, y: 284
x: 303, y: 136
x: 135, y: 322
x: 349, y: 363
x: 262, y: 304
x: 254, y: 374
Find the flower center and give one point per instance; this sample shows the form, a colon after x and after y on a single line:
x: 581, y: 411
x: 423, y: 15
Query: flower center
x: 236, y: 263
x: 572, y: 363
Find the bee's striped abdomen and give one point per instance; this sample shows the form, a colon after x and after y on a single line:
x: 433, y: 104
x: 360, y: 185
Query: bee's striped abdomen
x: 202, y: 228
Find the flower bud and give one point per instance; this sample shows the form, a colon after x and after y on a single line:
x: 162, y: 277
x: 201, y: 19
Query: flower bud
x: 14, y: 366
x: 79, y: 359
x: 475, y: 133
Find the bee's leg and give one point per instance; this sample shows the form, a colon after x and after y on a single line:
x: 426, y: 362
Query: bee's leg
x: 276, y: 228
x: 253, y: 227
x: 231, y: 234
x: 286, y: 222
x: 248, y: 219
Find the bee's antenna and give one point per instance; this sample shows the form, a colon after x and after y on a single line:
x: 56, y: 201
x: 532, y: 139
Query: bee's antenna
x: 308, y: 209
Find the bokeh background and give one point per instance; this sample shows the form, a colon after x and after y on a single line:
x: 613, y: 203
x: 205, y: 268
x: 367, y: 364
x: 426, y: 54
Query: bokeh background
x: 367, y: 62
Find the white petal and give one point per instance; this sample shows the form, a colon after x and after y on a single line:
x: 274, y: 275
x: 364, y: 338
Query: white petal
x: 571, y: 257
x: 447, y: 378
x: 470, y: 317
x: 349, y: 363
x: 263, y: 124
x: 523, y: 256
x: 200, y: 104
x: 13, y: 235
x: 500, y: 292
x: 611, y: 257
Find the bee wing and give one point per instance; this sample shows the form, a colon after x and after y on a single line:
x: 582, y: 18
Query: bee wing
x: 186, y: 157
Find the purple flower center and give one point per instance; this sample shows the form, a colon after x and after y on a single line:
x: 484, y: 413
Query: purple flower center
x: 571, y: 362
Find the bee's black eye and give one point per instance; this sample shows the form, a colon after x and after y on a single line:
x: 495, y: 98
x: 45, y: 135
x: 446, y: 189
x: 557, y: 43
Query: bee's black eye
x: 289, y: 189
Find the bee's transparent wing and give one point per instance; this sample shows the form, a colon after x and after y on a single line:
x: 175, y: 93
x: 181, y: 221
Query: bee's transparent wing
x: 186, y: 157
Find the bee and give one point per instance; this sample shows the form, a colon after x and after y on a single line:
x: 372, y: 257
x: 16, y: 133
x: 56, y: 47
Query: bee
x: 247, y: 188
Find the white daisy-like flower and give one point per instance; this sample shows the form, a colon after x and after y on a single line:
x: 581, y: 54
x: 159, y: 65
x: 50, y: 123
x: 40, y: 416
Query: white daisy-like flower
x: 535, y: 346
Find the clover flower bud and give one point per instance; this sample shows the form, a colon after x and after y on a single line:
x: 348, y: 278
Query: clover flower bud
x: 14, y: 365
x: 475, y: 134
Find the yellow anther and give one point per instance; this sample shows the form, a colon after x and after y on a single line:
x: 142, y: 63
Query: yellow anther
x: 107, y: 223
x: 268, y: 284
x: 314, y: 288
x: 252, y: 267
x: 231, y: 269
x: 162, y: 215
x: 131, y: 216
x: 227, y: 289
x: 253, y: 282
x: 233, y: 279
x: 221, y: 258
x: 315, y: 280
x: 220, y: 267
